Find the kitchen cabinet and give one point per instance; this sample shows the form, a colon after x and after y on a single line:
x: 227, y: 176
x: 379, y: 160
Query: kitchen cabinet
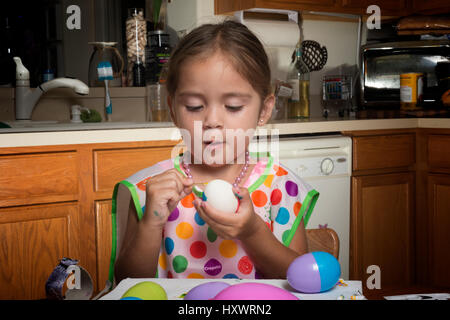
x: 33, y: 238
x: 55, y: 202
x: 227, y: 7
x: 392, y: 6
x: 381, y: 224
x: 358, y: 7
x: 432, y: 6
x: 433, y: 215
x: 400, y: 211
x: 388, y: 7
x: 383, y: 206
x: 439, y: 225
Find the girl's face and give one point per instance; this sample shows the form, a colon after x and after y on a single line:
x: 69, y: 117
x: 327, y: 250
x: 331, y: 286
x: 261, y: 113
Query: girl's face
x: 221, y: 105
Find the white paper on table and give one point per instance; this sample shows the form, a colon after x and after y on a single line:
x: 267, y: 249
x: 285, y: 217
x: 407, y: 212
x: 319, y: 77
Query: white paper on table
x: 420, y: 296
x: 177, y: 288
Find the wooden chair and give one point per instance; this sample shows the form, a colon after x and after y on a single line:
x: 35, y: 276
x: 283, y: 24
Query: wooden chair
x: 323, y: 239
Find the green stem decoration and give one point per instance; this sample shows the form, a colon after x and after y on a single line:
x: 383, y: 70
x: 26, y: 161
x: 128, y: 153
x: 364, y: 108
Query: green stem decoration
x: 156, y: 11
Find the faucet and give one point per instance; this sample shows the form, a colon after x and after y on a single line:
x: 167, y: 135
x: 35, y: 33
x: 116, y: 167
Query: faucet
x: 27, y: 98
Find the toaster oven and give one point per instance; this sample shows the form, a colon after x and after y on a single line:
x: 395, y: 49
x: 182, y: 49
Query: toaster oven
x: 383, y: 63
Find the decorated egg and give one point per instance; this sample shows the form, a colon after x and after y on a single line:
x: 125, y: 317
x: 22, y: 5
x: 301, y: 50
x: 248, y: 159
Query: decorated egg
x: 219, y: 194
x: 146, y: 290
x: 254, y: 291
x: 206, y: 291
x: 314, y: 272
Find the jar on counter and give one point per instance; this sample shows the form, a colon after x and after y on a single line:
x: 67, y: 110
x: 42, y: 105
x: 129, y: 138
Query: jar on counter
x: 136, y: 34
x: 157, y: 54
x: 411, y: 90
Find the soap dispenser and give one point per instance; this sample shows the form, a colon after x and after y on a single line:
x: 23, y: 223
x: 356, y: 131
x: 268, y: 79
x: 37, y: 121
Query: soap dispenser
x: 22, y: 73
x: 76, y: 113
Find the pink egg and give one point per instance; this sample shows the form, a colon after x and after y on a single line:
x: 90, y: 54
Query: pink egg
x: 206, y: 291
x: 254, y: 291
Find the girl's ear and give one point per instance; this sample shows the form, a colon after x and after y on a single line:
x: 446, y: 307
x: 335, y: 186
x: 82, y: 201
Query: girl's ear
x: 266, y: 111
x: 172, y: 114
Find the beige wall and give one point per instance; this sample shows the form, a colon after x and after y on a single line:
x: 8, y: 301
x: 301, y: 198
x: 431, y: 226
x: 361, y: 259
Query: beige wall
x: 129, y: 104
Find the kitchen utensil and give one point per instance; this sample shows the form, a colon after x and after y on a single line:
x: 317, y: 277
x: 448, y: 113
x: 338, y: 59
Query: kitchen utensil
x: 314, y: 56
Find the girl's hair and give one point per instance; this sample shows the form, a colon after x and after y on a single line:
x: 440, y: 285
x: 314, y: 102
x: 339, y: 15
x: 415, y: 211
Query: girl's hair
x: 236, y: 42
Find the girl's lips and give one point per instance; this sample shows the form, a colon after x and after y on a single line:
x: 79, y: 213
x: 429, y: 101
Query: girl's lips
x: 213, y: 144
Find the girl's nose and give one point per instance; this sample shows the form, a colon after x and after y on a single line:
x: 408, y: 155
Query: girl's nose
x: 213, y: 118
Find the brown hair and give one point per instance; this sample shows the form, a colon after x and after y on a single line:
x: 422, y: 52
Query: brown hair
x: 236, y: 41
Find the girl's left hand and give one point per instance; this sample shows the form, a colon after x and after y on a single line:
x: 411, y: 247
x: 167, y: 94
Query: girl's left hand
x: 230, y: 226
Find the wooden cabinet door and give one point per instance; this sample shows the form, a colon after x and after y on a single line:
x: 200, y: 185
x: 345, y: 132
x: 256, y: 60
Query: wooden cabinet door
x: 383, y: 4
x: 226, y: 6
x: 381, y: 231
x: 33, y: 239
x: 112, y: 166
x: 103, y: 240
x: 439, y: 228
x: 424, y: 5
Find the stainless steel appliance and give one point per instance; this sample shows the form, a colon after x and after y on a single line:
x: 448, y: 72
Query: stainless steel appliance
x: 382, y: 64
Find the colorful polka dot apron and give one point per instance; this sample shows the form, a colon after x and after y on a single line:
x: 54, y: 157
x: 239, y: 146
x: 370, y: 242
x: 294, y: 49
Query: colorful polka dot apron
x: 191, y: 249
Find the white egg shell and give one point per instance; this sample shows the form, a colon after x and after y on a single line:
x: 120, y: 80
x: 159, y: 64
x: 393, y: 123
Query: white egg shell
x: 219, y: 194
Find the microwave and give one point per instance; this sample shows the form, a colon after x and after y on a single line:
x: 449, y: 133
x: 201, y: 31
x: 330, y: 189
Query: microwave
x: 383, y: 63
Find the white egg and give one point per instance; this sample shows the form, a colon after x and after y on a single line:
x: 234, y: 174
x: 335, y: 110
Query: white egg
x: 220, y: 195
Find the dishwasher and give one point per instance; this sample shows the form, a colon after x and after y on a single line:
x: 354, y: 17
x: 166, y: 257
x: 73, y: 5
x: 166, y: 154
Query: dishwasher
x: 325, y: 162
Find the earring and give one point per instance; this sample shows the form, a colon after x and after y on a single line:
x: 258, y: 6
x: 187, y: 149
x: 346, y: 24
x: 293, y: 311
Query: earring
x: 261, y: 120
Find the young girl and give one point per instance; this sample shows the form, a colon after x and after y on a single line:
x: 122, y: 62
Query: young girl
x: 218, y: 81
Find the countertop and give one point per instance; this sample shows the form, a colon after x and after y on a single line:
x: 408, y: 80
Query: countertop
x: 145, y: 131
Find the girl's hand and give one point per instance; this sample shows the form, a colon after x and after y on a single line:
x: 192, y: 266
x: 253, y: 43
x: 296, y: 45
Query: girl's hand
x: 163, y: 192
x: 230, y: 225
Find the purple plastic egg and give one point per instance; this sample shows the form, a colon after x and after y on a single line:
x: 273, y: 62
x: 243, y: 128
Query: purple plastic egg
x: 254, y: 291
x: 314, y: 272
x: 206, y: 291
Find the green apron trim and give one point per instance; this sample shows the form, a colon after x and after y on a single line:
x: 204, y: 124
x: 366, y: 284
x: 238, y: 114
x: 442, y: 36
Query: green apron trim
x: 139, y: 212
x: 114, y: 235
x: 307, y: 208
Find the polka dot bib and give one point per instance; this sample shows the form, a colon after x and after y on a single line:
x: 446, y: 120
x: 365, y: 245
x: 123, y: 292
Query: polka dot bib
x: 191, y: 249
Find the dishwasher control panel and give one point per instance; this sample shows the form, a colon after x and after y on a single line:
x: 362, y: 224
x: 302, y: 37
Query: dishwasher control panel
x: 319, y: 166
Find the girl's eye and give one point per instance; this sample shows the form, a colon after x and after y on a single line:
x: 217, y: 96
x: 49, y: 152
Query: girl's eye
x: 234, y: 108
x: 193, y: 108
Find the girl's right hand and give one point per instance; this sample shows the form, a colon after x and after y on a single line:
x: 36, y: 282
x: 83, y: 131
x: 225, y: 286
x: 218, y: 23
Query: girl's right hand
x: 163, y: 192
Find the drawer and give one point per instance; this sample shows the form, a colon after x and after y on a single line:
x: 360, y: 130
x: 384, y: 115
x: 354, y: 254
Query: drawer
x: 383, y: 151
x: 38, y: 178
x: 112, y: 166
x: 439, y: 151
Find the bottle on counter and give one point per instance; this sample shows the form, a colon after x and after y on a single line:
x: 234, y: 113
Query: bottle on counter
x: 298, y: 78
x: 136, y: 36
x: 157, y: 54
x: 138, y: 74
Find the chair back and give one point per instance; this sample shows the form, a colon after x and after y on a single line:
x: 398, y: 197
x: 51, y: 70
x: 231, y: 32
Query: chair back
x: 323, y: 239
